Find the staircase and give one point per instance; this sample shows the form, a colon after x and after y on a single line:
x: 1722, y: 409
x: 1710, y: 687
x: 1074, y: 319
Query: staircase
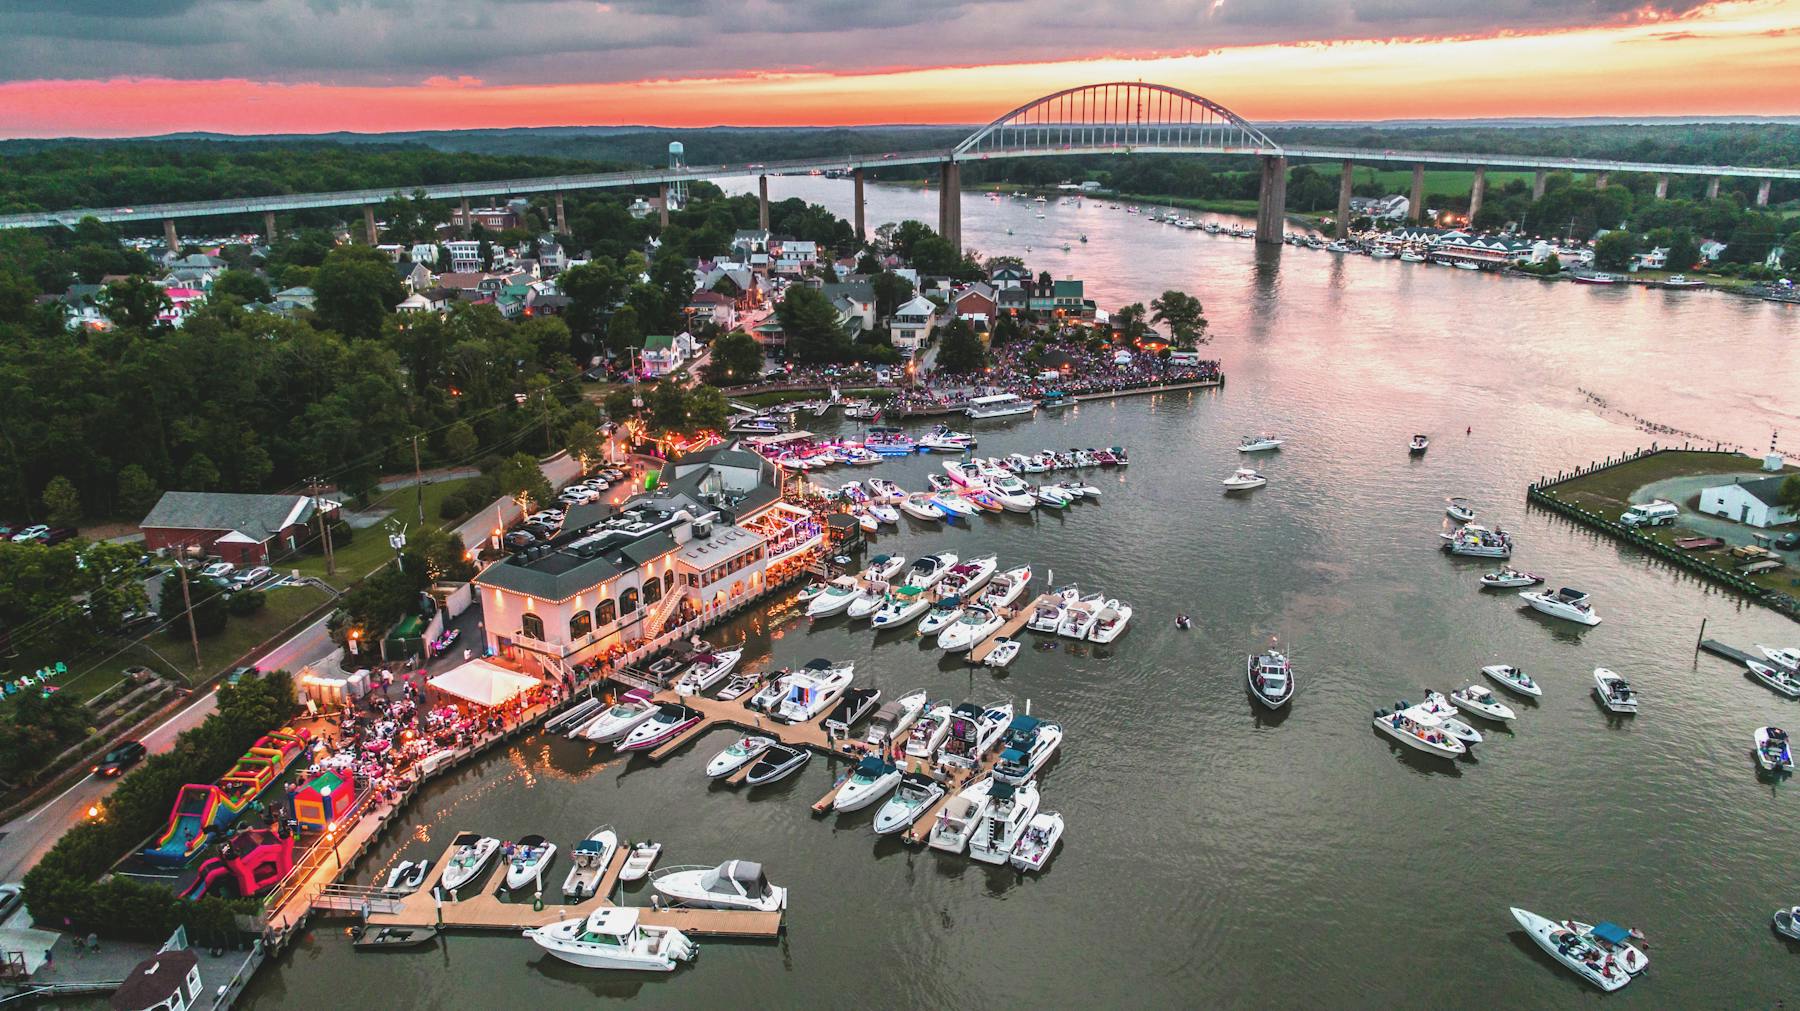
x: 659, y: 618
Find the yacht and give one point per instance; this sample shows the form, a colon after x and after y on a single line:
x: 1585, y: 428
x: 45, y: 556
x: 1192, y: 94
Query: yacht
x: 1014, y: 495
x: 670, y: 721
x: 883, y: 568
x: 973, y: 628
x: 1419, y: 444
x: 928, y: 731
x: 1509, y: 578
x: 530, y: 856
x: 1078, y: 617
x: 973, y: 732
x: 622, y: 717
x: 1784, y: 681
x: 1466, y: 265
x: 1418, y: 730
x: 999, y: 405
x: 1781, y: 656
x: 1408, y: 256
x: 869, y: 781
x: 942, y: 440
x: 1614, y: 691
x: 470, y: 855
x: 811, y: 693
x: 1772, y: 750
x: 1567, y: 603
x: 1271, y: 678
x: 1514, y: 678
x: 1479, y: 700
x: 915, y: 794
x: 957, y: 820
x: 1010, y: 808
x: 737, y: 754
x: 1258, y: 443
x: 1598, y: 278
x: 591, y: 859
x: 1053, y: 496
x: 1581, y: 952
x: 942, y: 614
x: 776, y: 763
x: 922, y: 506
x: 1109, y: 622
x: 1025, y: 747
x: 1007, y: 587
x: 734, y: 884
x: 902, y: 606
x: 894, y: 719
x: 612, y: 938
x: 1681, y: 281
x: 1042, y: 834
x: 1244, y: 479
x: 965, y: 474
x: 965, y: 579
x: 884, y: 513
x: 842, y: 592
x: 708, y: 670
x: 1478, y: 541
x: 1460, y: 510
x: 928, y: 571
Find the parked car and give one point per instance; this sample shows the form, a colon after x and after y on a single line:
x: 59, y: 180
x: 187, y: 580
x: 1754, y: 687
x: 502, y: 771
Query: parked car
x: 252, y: 576
x: 522, y: 538
x: 613, y: 474
x: 11, y: 898
x: 136, y: 621
x: 217, y: 570
x: 578, y: 494
x: 1789, y: 541
x: 237, y: 674
x: 116, y: 761
x: 57, y: 535
x: 35, y: 532
x: 540, y: 531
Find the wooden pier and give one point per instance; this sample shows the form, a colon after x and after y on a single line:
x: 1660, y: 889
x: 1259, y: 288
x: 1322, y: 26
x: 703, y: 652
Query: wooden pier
x: 1732, y: 653
x: 1015, y: 623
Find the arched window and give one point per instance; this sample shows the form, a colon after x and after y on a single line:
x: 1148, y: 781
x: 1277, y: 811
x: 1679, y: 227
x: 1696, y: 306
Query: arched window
x: 581, y: 624
x: 628, y: 602
x: 652, y: 592
x: 669, y: 580
x: 531, y: 626
x: 606, y: 613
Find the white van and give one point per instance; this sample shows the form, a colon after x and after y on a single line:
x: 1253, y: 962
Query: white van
x: 1650, y: 514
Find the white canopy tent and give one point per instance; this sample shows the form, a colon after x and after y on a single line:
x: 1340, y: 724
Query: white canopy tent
x: 483, y: 683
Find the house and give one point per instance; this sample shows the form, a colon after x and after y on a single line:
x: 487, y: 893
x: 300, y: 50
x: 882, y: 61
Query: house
x: 1012, y: 301
x: 494, y: 219
x: 465, y: 255
x: 1755, y: 502
x: 640, y: 208
x: 1655, y: 259
x: 183, y: 302
x: 1494, y: 249
x: 795, y: 256
x: 424, y: 252
x: 1009, y: 277
x: 1711, y: 250
x: 289, y: 301
x: 855, y: 301
x: 166, y: 981
x: 414, y: 276
x: 1392, y: 207
x: 771, y: 336
x: 750, y: 246
x: 241, y: 529
x: 550, y: 256
x: 712, y: 307
x: 81, y: 305
x: 975, y: 301
x: 1066, y: 299
x: 912, y: 323
x: 664, y: 354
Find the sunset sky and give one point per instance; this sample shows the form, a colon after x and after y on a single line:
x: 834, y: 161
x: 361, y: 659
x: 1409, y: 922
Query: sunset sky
x: 137, y: 67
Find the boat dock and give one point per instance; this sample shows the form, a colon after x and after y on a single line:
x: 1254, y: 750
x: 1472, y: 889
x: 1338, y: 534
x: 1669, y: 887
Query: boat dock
x: 1732, y: 653
x: 1013, y: 625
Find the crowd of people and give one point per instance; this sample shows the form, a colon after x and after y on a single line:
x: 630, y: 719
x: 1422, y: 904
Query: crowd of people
x: 1020, y: 369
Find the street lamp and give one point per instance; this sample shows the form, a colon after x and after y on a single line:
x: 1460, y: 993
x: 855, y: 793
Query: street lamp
x: 331, y: 834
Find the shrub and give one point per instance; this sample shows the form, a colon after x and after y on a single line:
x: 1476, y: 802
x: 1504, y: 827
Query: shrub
x: 246, y: 602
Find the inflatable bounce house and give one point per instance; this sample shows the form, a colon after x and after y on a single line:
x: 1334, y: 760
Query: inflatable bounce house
x: 203, y: 811
x: 250, y: 861
x: 324, y: 799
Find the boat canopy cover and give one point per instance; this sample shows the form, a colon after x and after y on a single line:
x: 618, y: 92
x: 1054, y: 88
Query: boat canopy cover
x: 1023, y: 725
x: 968, y: 710
x: 746, y: 873
x: 613, y: 921
x: 1570, y: 593
x: 908, y: 591
x: 818, y: 664
x: 1611, y: 933
x: 589, y: 846
x: 873, y: 767
x: 879, y: 559
x: 1001, y: 791
x: 1012, y: 756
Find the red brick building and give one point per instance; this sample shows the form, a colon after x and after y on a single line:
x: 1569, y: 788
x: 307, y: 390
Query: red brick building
x: 240, y: 529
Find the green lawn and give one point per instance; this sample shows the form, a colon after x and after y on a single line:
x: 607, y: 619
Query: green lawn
x: 368, y: 548
x: 1608, y: 492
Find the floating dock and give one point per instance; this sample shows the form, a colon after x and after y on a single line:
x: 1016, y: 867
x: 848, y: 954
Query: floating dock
x: 1015, y: 622
x: 1732, y: 653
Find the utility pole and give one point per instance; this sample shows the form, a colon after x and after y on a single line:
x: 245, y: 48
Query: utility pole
x: 419, y: 476
x: 187, y: 602
x: 324, y: 528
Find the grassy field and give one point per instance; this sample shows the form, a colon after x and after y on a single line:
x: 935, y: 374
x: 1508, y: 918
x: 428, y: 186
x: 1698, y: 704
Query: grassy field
x: 368, y: 548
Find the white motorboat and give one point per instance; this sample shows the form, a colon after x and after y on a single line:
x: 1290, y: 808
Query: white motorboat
x: 869, y: 781
x: 915, y: 793
x: 851, y: 707
x: 470, y: 855
x: 1418, y: 730
x: 708, y: 670
x: 811, y: 692
x: 973, y: 733
x: 1005, y: 651
x: 1110, y: 622
x: 1006, y: 587
x: 1509, y: 578
x: 883, y: 490
x: 953, y: 504
x: 1783, y: 681
x: 1025, y: 748
x: 639, y: 861
x: 531, y: 856
x: 776, y: 763
x: 867, y: 521
x: 873, y: 597
x: 1581, y: 953
x: 1408, y: 256
x: 1787, y: 922
x: 1038, y: 842
x: 999, y: 405
x: 1078, y: 617
x: 1787, y: 657
x: 670, y: 720
x: 884, y: 513
x: 902, y: 606
x: 1048, y: 616
x: 734, y: 884
x: 1478, y: 699
x: 590, y: 860
x: 1271, y: 678
x: 1460, y: 510
x: 883, y: 568
x: 739, y: 753
x: 942, y: 440
x: 1419, y: 444
x: 1085, y: 491
x: 1053, y: 496
x: 922, y: 505
x: 1478, y: 541
x: 1244, y: 479
x: 612, y: 938
x: 942, y: 614
x: 1010, y: 808
x: 1437, y: 705
x: 928, y: 731
x: 622, y: 717
x: 957, y: 819
x: 1566, y: 603
x: 1614, y: 691
x: 1514, y: 678
x: 842, y: 592
x: 1016, y: 501
x: 892, y: 721
x: 964, y: 474
x: 406, y: 878
x: 965, y: 579
x: 1773, y: 751
x: 930, y: 570
x: 1258, y: 443
x: 975, y: 625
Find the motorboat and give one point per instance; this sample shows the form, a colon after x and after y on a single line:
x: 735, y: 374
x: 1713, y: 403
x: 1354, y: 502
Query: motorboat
x: 1582, y: 952
x: 1460, y: 509
x: 1025, y: 748
x: 884, y: 514
x: 842, y: 592
x: 622, y: 717
x: 930, y: 570
x: 1784, y: 681
x: 1258, y: 443
x: 883, y: 568
x: 1418, y: 730
x: 943, y: 613
x: 1614, y: 691
x: 1010, y: 808
x: 1006, y: 587
x: 1038, y: 842
x: 1787, y: 922
x: 1078, y: 617
x: 734, y: 884
x: 914, y: 795
x: 867, y: 521
x: 708, y: 670
x: 869, y: 781
x: 1477, y: 541
x: 1244, y: 479
x: 1599, y: 278
x: 1015, y: 501
x: 1439, y: 706
x: 390, y: 938
x: 612, y: 938
x: 1047, y: 616
x: 964, y: 474
x: 531, y: 856
x: 883, y: 490
x: 590, y: 860
x: 776, y: 763
x: 664, y: 669
x: 1085, y: 458
x: 966, y: 578
x: 954, y: 504
x: 1271, y: 678
x: 1478, y: 699
x: 943, y: 440
x: 891, y: 722
x: 1509, y: 579
x: 1513, y: 678
x: 940, y: 483
x: 872, y: 598
x: 850, y: 709
x: 1005, y: 651
x: 639, y: 860
x: 810, y: 591
x: 1053, y: 496
x: 1419, y: 444
x: 470, y: 855
x: 1566, y: 603
x: 928, y: 731
x: 670, y: 721
x: 1787, y: 657
x: 406, y: 878
x: 810, y: 693
x: 922, y: 505
x: 973, y: 733
x: 957, y: 819
x: 1110, y: 622
x: 739, y: 753
x: 1773, y: 752
x: 975, y: 625
x: 901, y: 607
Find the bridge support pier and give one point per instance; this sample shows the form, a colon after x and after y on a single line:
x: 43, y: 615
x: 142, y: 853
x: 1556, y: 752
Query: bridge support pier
x: 370, y: 232
x: 1600, y: 180
x: 950, y: 204
x: 1762, y: 192
x: 1476, y: 193
x: 467, y: 220
x: 1712, y: 188
x: 269, y: 227
x: 1343, y: 211
x: 1662, y: 187
x: 170, y: 236
x: 562, y: 219
x: 856, y: 178
x: 662, y: 209
x: 1537, y: 184
x: 1416, y: 209
x: 762, y: 202
x: 1271, y: 203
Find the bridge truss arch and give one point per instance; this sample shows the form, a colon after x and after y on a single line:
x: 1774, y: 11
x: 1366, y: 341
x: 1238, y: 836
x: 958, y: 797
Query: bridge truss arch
x: 1115, y: 117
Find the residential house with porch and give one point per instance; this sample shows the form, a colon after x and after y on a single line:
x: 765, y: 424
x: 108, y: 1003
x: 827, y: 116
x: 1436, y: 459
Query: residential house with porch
x: 713, y: 307
x: 664, y: 353
x: 912, y: 323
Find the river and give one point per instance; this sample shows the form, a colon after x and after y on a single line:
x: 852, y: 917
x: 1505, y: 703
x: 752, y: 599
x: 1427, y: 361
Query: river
x: 1216, y: 855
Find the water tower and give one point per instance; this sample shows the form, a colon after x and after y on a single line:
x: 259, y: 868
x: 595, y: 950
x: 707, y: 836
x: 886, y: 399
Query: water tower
x: 677, y: 188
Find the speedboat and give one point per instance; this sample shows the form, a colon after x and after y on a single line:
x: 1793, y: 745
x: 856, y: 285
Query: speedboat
x: 915, y: 793
x: 1025, y: 747
x: 894, y: 719
x: 639, y: 861
x: 1437, y: 705
x: 1614, y: 691
x: 883, y: 490
x: 966, y: 474
x: 1010, y: 808
x: 1418, y: 730
x: 975, y: 625
x: 734, y: 884
x: 883, y: 568
x: 928, y: 731
x: 406, y: 878
x: 1048, y: 616
x: 1608, y: 967
x: 1053, y: 496
x: 1258, y: 443
x: 942, y: 440
x: 1514, y: 678
x: 965, y: 578
x: 1787, y: 922
x: 1781, y: 656
x: 1785, y: 682
x: 1772, y: 750
x: 954, y: 504
x: 470, y: 855
x: 1006, y: 587
x: 973, y: 732
x: 738, y: 754
x: 1079, y: 616
x: 1244, y: 479
x: 530, y: 856
x: 1271, y: 678
x: 1510, y: 578
x: 1478, y: 541
x: 778, y: 762
x: 849, y: 710
x: 622, y: 717
x: 1034, y: 848
x: 957, y: 819
x: 1460, y: 510
x: 1005, y: 651
x: 1109, y: 622
x: 708, y: 670
x: 866, y: 520
x: 671, y: 720
x: 902, y: 606
x: 884, y: 513
x: 922, y: 505
x: 591, y: 859
x: 928, y: 571
x: 868, y: 782
x: 1566, y: 603
x: 945, y: 611
x: 873, y: 597
x: 1419, y: 444
x: 842, y: 592
x: 1479, y: 700
x: 612, y: 938
x: 810, y: 692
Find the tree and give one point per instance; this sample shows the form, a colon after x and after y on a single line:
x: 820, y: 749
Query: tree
x: 440, y: 553
x: 668, y: 407
x: 1004, y: 331
x: 1615, y: 250
x: 133, y: 303
x: 623, y: 331
x: 356, y: 289
x: 962, y: 350
x: 241, y: 286
x: 593, y: 289
x: 62, y: 503
x: 707, y: 409
x: 811, y: 324
x: 522, y: 480
x: 1130, y: 321
x: 1183, y: 315
x: 210, y: 611
x: 891, y: 292
x: 1789, y: 493
x: 137, y: 491
x: 582, y: 441
x: 199, y: 473
x: 460, y: 441
x: 736, y: 358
